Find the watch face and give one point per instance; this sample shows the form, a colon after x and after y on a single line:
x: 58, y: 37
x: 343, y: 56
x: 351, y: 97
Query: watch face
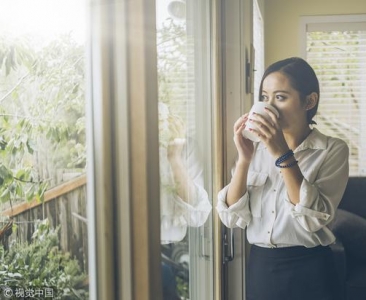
x: 177, y: 9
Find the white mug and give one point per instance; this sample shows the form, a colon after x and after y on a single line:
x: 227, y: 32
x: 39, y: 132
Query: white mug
x: 258, y: 108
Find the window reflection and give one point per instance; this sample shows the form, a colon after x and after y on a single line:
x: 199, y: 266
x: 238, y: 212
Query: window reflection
x: 183, y: 201
x: 184, y: 135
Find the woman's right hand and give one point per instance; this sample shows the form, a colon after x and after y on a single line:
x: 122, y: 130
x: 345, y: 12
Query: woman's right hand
x: 243, y: 145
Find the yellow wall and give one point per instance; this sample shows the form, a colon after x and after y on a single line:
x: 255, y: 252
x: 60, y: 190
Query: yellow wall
x: 282, y: 19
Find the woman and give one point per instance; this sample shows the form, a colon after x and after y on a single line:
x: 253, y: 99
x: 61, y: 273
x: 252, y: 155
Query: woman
x: 285, y: 190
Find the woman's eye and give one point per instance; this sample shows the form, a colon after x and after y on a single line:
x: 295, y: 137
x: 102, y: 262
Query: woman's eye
x: 264, y: 98
x: 280, y: 97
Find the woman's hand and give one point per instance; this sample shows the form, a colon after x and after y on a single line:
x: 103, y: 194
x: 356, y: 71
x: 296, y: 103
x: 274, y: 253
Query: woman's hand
x: 270, y: 133
x: 178, y: 133
x: 175, y: 149
x: 244, y: 146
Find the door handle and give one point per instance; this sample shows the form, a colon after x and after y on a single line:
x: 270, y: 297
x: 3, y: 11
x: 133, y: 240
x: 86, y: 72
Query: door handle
x: 204, y: 241
x: 228, y: 244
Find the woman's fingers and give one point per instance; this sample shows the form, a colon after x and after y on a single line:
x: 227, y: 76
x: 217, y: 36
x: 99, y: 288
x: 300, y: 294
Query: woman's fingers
x: 240, y: 122
x: 176, y: 126
x: 273, y: 117
x: 261, y: 122
x: 240, y: 129
x: 244, y: 146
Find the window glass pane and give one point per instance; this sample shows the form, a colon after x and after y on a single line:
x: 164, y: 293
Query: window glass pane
x: 42, y: 146
x: 183, y: 44
x: 339, y: 59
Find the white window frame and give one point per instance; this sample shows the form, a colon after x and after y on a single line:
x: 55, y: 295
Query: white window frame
x: 326, y: 21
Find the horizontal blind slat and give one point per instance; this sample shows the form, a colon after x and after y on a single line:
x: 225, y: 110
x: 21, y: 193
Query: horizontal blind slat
x: 339, y: 60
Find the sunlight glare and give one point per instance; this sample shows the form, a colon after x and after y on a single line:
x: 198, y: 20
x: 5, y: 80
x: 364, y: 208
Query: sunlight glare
x: 43, y: 18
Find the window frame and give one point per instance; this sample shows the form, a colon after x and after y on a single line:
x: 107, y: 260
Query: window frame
x: 325, y: 20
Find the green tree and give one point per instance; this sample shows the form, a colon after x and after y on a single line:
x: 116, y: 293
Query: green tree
x: 42, y: 114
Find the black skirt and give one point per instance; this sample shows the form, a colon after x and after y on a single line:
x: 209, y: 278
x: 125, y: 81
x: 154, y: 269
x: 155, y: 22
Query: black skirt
x: 292, y: 273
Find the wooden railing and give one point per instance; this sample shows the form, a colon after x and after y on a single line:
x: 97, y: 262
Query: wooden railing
x: 51, y: 194
x: 65, y: 206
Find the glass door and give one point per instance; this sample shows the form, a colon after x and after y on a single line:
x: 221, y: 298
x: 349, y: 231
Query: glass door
x: 55, y: 97
x: 185, y: 147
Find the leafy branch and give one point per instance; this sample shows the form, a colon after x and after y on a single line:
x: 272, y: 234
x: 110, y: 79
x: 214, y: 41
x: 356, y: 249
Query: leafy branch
x: 42, y: 124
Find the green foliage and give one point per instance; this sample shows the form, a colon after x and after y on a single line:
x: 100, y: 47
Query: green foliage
x: 41, y: 264
x: 42, y: 114
x: 182, y: 288
x: 14, y: 53
x: 173, y: 53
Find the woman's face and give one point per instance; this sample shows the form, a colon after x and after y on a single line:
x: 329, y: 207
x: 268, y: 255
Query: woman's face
x: 278, y: 92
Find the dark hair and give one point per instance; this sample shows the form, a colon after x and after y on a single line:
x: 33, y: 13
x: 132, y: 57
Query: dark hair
x: 302, y: 78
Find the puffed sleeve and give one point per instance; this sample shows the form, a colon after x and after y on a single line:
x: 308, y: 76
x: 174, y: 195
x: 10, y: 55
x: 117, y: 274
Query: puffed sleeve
x: 238, y: 214
x: 320, y: 198
x: 197, y: 214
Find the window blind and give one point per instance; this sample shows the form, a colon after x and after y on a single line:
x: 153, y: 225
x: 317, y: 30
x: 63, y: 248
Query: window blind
x: 338, y: 57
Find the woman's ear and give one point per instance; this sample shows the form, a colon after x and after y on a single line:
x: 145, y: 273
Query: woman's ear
x: 311, y: 100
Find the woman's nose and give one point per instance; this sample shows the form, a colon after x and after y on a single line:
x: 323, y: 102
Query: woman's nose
x: 271, y: 101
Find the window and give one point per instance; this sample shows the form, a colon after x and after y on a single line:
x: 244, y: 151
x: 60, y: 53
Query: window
x: 42, y: 148
x: 336, y: 48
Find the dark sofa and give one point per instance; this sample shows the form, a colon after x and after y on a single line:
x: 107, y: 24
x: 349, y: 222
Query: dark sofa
x: 349, y: 227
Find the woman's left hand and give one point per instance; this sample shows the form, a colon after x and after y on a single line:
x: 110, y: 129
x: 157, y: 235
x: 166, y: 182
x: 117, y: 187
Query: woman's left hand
x: 270, y: 133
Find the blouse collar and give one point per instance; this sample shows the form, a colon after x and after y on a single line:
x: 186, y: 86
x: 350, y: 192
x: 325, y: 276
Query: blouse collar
x: 315, y: 140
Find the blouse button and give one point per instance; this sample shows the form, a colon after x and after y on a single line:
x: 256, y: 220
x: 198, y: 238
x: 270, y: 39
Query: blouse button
x: 274, y: 190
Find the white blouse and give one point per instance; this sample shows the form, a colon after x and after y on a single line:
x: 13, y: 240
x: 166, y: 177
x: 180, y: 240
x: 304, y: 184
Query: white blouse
x: 265, y: 209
